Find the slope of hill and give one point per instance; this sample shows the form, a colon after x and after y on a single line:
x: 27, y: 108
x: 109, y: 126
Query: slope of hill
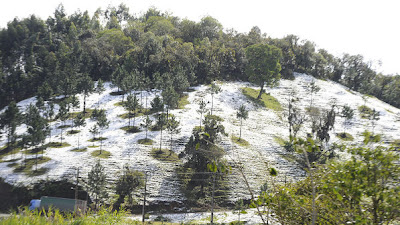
x: 261, y: 130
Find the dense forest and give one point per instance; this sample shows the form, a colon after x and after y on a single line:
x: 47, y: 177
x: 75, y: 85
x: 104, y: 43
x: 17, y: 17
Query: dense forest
x: 55, y: 56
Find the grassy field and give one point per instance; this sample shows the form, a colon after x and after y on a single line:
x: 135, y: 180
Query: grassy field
x: 266, y: 100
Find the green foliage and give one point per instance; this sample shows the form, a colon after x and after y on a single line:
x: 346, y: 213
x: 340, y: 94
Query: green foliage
x: 370, y: 137
x: 97, y: 182
x: 263, y: 65
x: 358, y: 191
x: 157, y: 104
x: 279, y: 140
x: 102, y: 216
x: 345, y: 136
x: 164, y: 155
x: 266, y: 100
x: 365, y: 111
x: 127, y: 183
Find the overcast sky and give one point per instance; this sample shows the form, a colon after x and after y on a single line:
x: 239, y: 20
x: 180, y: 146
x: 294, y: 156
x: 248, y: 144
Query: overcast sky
x: 369, y: 28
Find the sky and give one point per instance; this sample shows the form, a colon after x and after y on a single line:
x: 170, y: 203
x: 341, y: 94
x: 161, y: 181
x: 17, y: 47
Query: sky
x: 366, y: 27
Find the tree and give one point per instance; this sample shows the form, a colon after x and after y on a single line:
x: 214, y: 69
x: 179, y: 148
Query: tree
x: 161, y: 121
x: 127, y: 183
x: 78, y: 122
x: 313, y: 88
x: 263, y: 65
x: 103, y: 123
x: 347, y: 113
x: 94, y: 131
x: 170, y: 98
x: 37, y: 128
x: 200, y: 151
x: 10, y: 119
x: 132, y: 104
x: 146, y: 124
x: 242, y: 114
x: 213, y: 89
x: 63, y: 116
x: 239, y: 206
x: 49, y: 114
x: 97, y: 182
x: 202, y: 110
x: 373, y: 117
x: 173, y: 127
x: 157, y: 104
x: 359, y: 190
x: 85, y: 86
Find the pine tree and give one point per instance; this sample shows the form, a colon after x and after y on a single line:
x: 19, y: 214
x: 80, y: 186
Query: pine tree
x: 347, y: 113
x: 146, y: 124
x: 157, y: 104
x: 97, y: 182
x: 242, y: 114
x: 37, y: 128
x: 103, y: 123
x: 63, y: 116
x: 10, y: 119
x: 202, y: 110
x: 173, y: 127
x: 86, y: 87
x: 127, y: 183
x: 132, y: 105
x: 313, y: 88
x: 213, y: 89
x: 78, y: 122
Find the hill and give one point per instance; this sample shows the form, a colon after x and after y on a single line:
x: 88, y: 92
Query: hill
x: 264, y: 131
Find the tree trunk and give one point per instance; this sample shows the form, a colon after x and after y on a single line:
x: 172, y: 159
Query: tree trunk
x: 212, y: 103
x: 84, y: 103
x: 261, y: 91
x: 240, y: 134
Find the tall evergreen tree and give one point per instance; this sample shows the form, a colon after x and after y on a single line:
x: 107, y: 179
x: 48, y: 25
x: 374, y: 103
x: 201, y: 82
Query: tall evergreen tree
x: 213, y: 89
x: 86, y: 87
x: 78, y: 122
x: 10, y: 119
x: 173, y: 127
x: 97, y: 182
x: 242, y: 114
x: 202, y: 110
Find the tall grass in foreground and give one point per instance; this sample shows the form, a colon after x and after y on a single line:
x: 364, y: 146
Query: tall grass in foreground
x: 103, y: 216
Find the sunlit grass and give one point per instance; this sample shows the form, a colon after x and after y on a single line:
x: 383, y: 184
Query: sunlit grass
x: 183, y: 101
x: 266, y: 100
x: 145, y: 141
x: 164, y: 155
x: 345, y: 136
x: 240, y: 141
x: 101, y: 154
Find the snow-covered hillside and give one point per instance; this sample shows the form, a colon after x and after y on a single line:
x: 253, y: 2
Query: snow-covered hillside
x: 259, y: 130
